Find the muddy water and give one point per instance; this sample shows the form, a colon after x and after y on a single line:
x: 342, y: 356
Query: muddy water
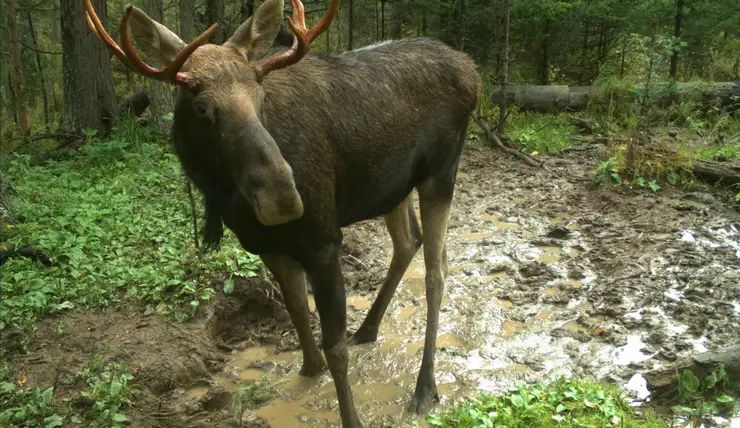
x: 538, y: 285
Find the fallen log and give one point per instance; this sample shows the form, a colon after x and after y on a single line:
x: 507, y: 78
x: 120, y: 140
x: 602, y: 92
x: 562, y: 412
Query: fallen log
x: 560, y: 98
x: 663, y: 383
x: 716, y: 172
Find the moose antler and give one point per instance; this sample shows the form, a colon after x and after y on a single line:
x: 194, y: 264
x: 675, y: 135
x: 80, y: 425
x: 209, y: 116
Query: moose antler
x: 302, y: 40
x: 170, y: 74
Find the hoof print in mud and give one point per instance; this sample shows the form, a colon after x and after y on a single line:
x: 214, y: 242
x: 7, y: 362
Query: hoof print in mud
x: 558, y: 232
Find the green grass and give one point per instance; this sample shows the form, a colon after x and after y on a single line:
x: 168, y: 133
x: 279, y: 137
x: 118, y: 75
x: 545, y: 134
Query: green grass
x: 561, y: 403
x: 117, y: 219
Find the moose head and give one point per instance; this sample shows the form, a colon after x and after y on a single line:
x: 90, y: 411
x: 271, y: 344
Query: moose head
x: 220, y: 94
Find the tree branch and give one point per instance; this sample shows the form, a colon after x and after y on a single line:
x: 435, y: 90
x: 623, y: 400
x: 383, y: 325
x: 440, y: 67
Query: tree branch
x: 491, y: 136
x: 37, y: 49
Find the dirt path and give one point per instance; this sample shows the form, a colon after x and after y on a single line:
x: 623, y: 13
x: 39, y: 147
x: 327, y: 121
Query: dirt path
x: 548, y: 275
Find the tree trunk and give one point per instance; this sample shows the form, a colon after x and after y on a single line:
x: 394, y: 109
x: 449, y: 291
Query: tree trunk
x: 350, y: 25
x: 247, y: 9
x: 215, y: 14
x: 584, y: 54
x: 160, y: 93
x: 55, y: 37
x: 624, y: 52
x: 503, y: 108
x: 546, y: 54
x: 399, y: 14
x: 187, y: 23
x: 89, y: 95
x: 677, y: 35
x: 382, y: 19
x: 42, y: 77
x: 20, y: 101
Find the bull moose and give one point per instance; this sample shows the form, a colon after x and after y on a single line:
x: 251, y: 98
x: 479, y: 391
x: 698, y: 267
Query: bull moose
x: 288, y: 148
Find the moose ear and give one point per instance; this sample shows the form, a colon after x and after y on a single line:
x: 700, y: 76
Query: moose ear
x: 154, y: 39
x: 259, y: 31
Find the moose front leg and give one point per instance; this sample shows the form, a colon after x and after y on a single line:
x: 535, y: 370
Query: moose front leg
x: 328, y: 289
x: 292, y: 280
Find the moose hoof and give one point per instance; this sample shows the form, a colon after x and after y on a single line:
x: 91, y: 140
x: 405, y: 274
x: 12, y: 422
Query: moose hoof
x: 424, y: 397
x: 362, y: 336
x: 313, y: 368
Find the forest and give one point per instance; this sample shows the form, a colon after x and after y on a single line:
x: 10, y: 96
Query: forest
x: 594, y: 238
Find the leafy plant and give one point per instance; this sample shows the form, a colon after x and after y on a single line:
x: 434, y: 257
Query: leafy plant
x: 562, y: 403
x: 709, y: 396
x: 253, y: 395
x: 26, y: 407
x: 110, y: 390
x: 116, y: 220
x: 606, y: 172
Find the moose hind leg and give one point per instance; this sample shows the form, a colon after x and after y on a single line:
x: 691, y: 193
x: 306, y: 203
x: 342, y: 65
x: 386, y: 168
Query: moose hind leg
x: 292, y: 280
x: 435, y: 197
x: 406, y: 236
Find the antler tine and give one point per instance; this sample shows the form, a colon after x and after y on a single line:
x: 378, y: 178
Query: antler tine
x: 302, y: 40
x: 98, y: 30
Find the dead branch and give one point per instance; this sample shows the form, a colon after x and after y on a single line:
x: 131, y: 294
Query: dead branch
x: 494, y: 138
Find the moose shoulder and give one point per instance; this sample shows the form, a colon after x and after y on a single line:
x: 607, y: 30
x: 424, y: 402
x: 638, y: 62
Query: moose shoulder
x: 287, y: 148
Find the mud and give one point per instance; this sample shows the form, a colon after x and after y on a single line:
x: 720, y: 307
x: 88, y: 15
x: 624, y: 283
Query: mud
x: 548, y: 275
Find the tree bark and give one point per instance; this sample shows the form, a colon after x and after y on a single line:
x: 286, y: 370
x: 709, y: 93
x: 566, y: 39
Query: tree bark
x: 160, y: 93
x: 89, y: 94
x: 187, y: 23
x: 503, y: 107
x: 20, y: 101
x: 215, y: 14
x: 42, y: 77
x: 399, y: 14
x: 663, y: 382
x: 624, y: 53
x: 382, y: 19
x: 559, y: 98
x: 584, y: 54
x: 247, y: 9
x: 677, y: 34
x: 350, y: 26
x: 546, y: 54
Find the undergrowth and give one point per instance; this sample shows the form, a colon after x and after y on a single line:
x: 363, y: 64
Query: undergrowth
x: 117, y: 221
x: 561, y: 403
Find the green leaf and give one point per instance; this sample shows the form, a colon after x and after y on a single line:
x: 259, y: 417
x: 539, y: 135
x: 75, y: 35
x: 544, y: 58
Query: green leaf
x: 517, y: 401
x: 53, y: 421
x: 115, y: 388
x: 228, y: 286
x: 724, y: 399
x: 119, y: 417
x: 47, y: 395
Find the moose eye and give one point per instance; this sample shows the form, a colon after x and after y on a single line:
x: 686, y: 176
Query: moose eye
x: 201, y: 108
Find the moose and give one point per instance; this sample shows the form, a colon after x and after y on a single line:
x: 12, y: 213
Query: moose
x: 287, y: 148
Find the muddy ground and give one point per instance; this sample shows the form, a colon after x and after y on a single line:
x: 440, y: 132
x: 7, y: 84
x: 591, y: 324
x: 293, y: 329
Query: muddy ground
x: 548, y: 275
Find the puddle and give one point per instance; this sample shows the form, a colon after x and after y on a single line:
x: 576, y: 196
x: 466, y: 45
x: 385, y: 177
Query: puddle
x: 498, y: 224
x: 631, y: 352
x: 514, y: 309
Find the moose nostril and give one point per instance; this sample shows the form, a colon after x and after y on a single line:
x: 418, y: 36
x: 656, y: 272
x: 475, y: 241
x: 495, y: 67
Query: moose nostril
x: 201, y: 109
